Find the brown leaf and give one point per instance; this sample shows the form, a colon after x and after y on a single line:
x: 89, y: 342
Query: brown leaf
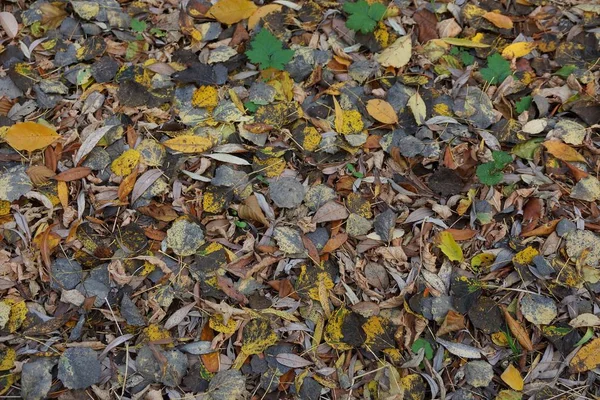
x: 40, y: 174
x: 330, y: 211
x: 426, y: 25
x: 517, y: 330
x: 211, y: 361
x: 334, y: 243
x: 462, y: 234
x: 542, y: 230
x: 251, y: 210
x: 160, y: 212
x: 453, y: 322
x: 73, y: 174
x: 126, y: 185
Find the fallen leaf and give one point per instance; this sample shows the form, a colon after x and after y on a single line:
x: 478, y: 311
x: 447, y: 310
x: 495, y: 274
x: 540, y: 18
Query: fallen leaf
x: 501, y: 21
x: 30, y: 136
x: 189, y: 144
x: 397, y: 54
x: 517, y: 50
x: 9, y: 24
x: 382, y: 111
x: 459, y: 349
x: 231, y: 11
x: 465, y: 43
x: 563, y: 151
x: 512, y: 377
x: 449, y: 247
x: 587, y: 358
x: 334, y: 243
x: 261, y: 12
x: 585, y: 320
x: 418, y: 108
x: 73, y: 174
x: 517, y: 330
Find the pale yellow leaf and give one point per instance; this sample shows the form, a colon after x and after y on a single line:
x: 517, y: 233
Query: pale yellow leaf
x: 189, y: 144
x: 464, y: 42
x: 339, y: 115
x: 397, y: 54
x: 512, y: 377
x: 382, y: 111
x: 231, y: 11
x: 418, y: 108
x: 501, y: 21
x: 261, y: 13
x: 126, y: 162
x: 517, y: 50
x: 30, y: 136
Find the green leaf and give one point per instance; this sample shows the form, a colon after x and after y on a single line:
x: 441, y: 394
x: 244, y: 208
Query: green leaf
x: 566, y: 70
x: 488, y: 174
x: 523, y: 104
x: 497, y: 69
x: 501, y: 159
x: 137, y: 25
x: 364, y: 17
x: 268, y: 52
x: 251, y: 106
x: 527, y: 149
x: 423, y: 344
x: 466, y: 58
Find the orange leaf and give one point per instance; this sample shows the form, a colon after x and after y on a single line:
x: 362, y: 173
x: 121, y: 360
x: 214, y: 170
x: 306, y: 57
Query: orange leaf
x: 73, y: 174
x: 563, y: 151
x: 382, y: 111
x: 30, y: 136
x: 501, y: 21
x: 126, y: 185
x: 334, y: 243
x: 462, y: 234
x: 542, y: 230
x: 517, y: 329
x: 211, y: 360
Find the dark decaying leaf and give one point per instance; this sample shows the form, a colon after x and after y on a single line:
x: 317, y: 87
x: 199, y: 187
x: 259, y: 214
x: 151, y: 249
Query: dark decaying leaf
x: 79, y: 368
x: 165, y: 366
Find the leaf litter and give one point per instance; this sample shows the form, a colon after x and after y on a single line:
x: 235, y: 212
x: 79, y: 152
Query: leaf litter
x: 272, y: 199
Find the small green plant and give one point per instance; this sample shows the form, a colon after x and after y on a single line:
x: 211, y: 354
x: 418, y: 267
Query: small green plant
x: 465, y: 57
x: 523, y: 104
x: 364, y: 16
x: 138, y: 27
x: 490, y: 173
x: 354, y: 172
x: 497, y: 69
x: 268, y: 51
x: 423, y: 344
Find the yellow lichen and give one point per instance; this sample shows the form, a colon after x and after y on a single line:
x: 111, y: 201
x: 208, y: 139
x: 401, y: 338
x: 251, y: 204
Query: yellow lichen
x: 352, y: 122
x: 382, y: 35
x: 18, y: 313
x: 525, y: 256
x: 312, y: 139
x: 373, y: 329
x: 271, y: 167
x: 210, y: 203
x: 4, y: 207
x: 154, y: 333
x: 126, y: 162
x: 442, y: 109
x: 333, y: 331
x: 257, y: 336
x: 7, y: 358
x: 205, y: 97
x: 218, y: 324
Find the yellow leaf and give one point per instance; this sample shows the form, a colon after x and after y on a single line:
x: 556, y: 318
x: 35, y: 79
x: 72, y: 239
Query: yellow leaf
x: 501, y: 21
x: 205, y: 96
x: 339, y: 115
x: 587, y: 358
x: 63, y: 193
x: 126, y: 162
x: 257, y: 336
x: 512, y: 377
x: 397, y: 54
x: 261, y: 13
x: 382, y: 111
x: 30, y: 136
x: 464, y: 42
x: 449, y: 247
x: 418, y: 108
x: 563, y: 151
x: 189, y: 144
x: 232, y: 11
x: 517, y: 50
